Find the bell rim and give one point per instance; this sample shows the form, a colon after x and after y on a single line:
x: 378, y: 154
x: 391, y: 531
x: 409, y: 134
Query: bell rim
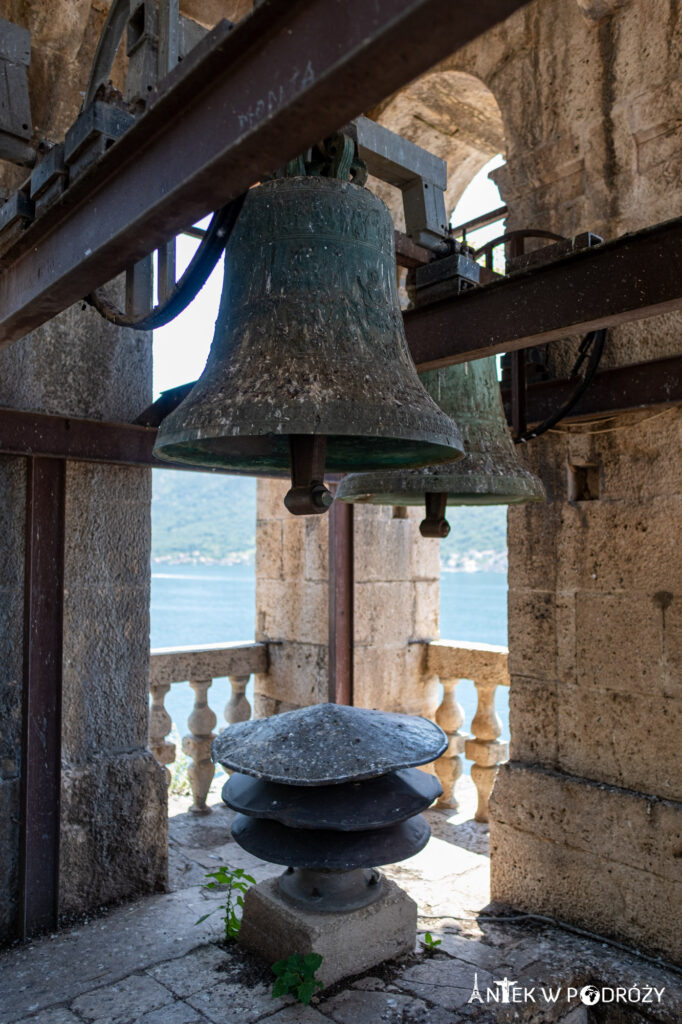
x: 513, y: 488
x: 433, y: 450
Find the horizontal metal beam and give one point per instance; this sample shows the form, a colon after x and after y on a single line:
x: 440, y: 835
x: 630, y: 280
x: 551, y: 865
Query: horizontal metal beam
x: 621, y: 389
x: 245, y: 101
x: 633, y: 277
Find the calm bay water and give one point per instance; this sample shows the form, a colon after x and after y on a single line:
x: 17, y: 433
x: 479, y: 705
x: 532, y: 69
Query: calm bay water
x: 214, y: 604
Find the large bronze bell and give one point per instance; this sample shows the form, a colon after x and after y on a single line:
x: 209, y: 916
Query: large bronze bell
x: 309, y: 366
x: 490, y: 472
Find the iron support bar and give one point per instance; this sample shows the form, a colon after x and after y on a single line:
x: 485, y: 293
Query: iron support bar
x: 633, y: 277
x: 41, y: 744
x: 242, y: 103
x: 341, y: 585
x: 622, y: 389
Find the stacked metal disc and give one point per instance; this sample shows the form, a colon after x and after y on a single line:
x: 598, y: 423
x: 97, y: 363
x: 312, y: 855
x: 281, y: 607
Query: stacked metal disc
x: 331, y: 792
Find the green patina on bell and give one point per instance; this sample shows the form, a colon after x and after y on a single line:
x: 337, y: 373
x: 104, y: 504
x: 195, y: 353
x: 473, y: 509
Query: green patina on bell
x: 490, y: 472
x: 309, y: 365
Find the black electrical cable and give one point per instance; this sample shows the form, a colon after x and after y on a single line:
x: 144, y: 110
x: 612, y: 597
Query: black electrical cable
x: 591, y: 348
x: 190, y: 284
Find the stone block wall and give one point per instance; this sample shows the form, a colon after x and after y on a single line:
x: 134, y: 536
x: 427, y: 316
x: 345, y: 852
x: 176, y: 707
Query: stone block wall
x: 586, y: 818
x: 113, y: 815
x: 396, y: 601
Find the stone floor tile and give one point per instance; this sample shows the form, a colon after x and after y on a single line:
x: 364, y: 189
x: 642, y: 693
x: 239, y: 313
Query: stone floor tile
x: 369, y: 984
x: 195, y: 972
x: 175, y: 1013
x: 127, y: 940
x: 124, y: 1002
x: 57, y: 1015
x: 229, y: 1003
x: 473, y: 951
x: 296, y: 1014
x: 365, y: 1007
x: 444, y: 982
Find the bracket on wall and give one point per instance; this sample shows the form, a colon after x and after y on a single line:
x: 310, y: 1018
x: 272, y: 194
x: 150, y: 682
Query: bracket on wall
x: 16, y: 127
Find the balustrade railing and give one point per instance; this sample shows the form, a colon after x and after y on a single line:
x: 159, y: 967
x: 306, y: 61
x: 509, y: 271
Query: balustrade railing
x: 199, y: 666
x: 452, y: 661
x: 486, y: 666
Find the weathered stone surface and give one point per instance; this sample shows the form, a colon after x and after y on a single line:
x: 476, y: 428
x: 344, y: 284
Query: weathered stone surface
x: 59, y: 1015
x: 395, y: 678
x: 100, y: 860
x: 349, y: 943
x: 195, y: 972
x: 240, y: 1004
x: 615, y: 824
x: 595, y: 735
x: 447, y: 983
x: 365, y: 1007
x: 124, y: 1002
x: 175, y: 1013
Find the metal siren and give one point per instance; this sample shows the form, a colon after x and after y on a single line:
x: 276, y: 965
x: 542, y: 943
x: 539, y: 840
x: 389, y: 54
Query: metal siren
x: 309, y: 368
x: 490, y: 472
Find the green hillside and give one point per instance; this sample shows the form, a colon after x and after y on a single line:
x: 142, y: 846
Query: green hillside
x: 205, y: 517
x: 202, y: 517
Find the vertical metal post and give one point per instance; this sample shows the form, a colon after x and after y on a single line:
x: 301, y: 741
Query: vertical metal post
x: 518, y: 363
x: 41, y: 730
x: 341, y: 583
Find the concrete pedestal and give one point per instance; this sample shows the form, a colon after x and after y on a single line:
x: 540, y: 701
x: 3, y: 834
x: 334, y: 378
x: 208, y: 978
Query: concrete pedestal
x: 349, y: 943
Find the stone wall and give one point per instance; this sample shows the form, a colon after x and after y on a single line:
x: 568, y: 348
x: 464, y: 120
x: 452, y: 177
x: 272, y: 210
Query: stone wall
x: 587, y: 815
x: 113, y: 829
x: 396, y: 601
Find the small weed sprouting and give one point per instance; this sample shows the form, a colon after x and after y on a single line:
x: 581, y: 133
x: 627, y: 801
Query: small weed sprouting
x: 296, y: 976
x: 430, y: 943
x: 237, y: 882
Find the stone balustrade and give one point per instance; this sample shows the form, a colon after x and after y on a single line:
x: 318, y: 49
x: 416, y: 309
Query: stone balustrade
x: 199, y: 666
x: 450, y: 660
x: 486, y: 665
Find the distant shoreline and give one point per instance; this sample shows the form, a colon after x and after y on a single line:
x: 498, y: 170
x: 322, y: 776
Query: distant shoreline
x: 467, y: 561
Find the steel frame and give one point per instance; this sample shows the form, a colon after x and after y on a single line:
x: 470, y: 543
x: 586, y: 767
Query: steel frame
x: 243, y: 102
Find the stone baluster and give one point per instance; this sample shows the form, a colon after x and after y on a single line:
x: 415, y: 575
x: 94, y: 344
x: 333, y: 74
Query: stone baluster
x: 450, y: 717
x: 160, y: 724
x: 238, y: 708
x: 197, y: 745
x: 485, y: 749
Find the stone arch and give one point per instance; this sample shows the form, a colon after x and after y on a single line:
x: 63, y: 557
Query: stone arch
x: 453, y: 114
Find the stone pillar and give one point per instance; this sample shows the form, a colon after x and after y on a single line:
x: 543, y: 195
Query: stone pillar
x: 396, y: 601
x: 113, y: 816
x: 587, y: 815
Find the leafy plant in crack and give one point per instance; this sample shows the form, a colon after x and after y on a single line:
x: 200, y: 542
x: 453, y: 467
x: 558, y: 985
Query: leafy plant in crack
x: 296, y: 976
x: 236, y: 882
x: 431, y: 944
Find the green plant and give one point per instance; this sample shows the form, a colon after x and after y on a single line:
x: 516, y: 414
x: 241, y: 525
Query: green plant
x: 236, y: 882
x: 296, y: 975
x: 431, y: 943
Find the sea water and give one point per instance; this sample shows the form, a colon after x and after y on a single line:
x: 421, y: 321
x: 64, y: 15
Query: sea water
x: 208, y: 604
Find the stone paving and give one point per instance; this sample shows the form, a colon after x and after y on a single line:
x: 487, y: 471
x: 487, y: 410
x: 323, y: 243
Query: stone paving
x: 149, y: 963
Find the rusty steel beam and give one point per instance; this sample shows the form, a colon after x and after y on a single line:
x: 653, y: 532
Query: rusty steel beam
x: 621, y: 389
x: 340, y: 616
x: 245, y: 101
x: 42, y: 692
x: 633, y: 277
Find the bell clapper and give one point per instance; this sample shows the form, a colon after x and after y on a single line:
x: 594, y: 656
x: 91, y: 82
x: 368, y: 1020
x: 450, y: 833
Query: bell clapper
x: 435, y: 524
x: 308, y: 494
